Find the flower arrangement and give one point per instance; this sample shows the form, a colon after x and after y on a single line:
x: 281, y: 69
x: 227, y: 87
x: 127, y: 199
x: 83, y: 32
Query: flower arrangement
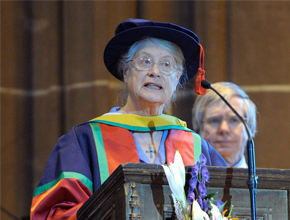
x: 197, y: 205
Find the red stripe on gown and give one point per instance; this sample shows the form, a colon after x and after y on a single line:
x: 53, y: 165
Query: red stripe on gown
x: 119, y: 145
x: 182, y: 141
x: 61, y: 201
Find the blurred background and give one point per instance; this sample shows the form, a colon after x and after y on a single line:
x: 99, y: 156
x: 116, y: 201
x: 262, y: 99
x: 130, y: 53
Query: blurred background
x: 53, y: 76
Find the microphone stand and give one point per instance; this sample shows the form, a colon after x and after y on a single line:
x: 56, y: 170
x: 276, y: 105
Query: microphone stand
x: 252, y: 178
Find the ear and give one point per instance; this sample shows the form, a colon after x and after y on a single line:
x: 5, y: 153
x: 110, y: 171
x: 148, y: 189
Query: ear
x: 125, y: 69
x: 178, y: 75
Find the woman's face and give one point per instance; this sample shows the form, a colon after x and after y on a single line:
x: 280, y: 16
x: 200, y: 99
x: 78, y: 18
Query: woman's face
x: 224, y: 131
x: 151, y: 86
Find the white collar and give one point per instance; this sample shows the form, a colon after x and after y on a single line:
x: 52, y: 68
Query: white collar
x: 242, y: 163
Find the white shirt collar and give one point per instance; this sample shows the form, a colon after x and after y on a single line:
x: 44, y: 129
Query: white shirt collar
x: 242, y: 163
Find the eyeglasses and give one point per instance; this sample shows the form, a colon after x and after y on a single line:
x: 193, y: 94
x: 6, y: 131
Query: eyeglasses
x: 215, y: 122
x: 166, y: 65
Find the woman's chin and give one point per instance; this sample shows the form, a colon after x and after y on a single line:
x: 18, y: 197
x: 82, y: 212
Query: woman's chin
x: 153, y: 99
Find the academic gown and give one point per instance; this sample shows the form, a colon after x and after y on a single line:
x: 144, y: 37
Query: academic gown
x: 84, y: 157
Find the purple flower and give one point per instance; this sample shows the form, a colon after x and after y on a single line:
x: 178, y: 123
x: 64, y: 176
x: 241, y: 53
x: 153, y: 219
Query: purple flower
x: 203, y: 160
x: 194, y: 171
x: 190, y: 197
x: 198, y: 164
x: 193, y: 182
x: 219, y: 203
x: 205, y: 174
x: 202, y: 189
x: 204, y: 203
x: 199, y: 200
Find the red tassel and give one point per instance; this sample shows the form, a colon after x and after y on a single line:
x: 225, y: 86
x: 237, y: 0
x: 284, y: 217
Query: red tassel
x: 198, y: 88
x: 201, y: 74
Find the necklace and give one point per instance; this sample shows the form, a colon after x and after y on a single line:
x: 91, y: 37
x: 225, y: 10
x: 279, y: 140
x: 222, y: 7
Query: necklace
x: 154, y: 137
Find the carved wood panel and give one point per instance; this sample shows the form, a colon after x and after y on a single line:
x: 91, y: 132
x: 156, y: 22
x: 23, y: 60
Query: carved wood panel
x: 267, y: 201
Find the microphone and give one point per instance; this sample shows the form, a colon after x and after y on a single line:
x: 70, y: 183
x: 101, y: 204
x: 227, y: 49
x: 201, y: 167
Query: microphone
x: 252, y: 179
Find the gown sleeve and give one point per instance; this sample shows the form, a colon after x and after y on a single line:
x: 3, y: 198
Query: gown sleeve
x: 213, y: 157
x: 70, y: 177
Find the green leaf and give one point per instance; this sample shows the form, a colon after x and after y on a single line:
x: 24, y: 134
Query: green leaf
x: 211, y: 195
x: 231, y: 209
x: 222, y: 206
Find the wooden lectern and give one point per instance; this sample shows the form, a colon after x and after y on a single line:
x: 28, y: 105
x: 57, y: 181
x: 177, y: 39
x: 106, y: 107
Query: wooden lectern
x: 138, y: 191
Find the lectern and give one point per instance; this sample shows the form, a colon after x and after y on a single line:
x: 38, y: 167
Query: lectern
x: 137, y: 191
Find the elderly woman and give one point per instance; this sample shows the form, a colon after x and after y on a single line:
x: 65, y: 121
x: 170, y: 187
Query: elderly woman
x: 151, y: 58
x: 218, y: 124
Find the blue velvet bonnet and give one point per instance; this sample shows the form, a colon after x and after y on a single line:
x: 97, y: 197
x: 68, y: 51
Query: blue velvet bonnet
x: 133, y: 30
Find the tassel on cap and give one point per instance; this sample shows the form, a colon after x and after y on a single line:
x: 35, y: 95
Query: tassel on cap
x: 201, y: 74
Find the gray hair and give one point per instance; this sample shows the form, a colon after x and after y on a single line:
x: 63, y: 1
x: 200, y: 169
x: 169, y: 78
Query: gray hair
x: 164, y: 44
x: 227, y: 90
